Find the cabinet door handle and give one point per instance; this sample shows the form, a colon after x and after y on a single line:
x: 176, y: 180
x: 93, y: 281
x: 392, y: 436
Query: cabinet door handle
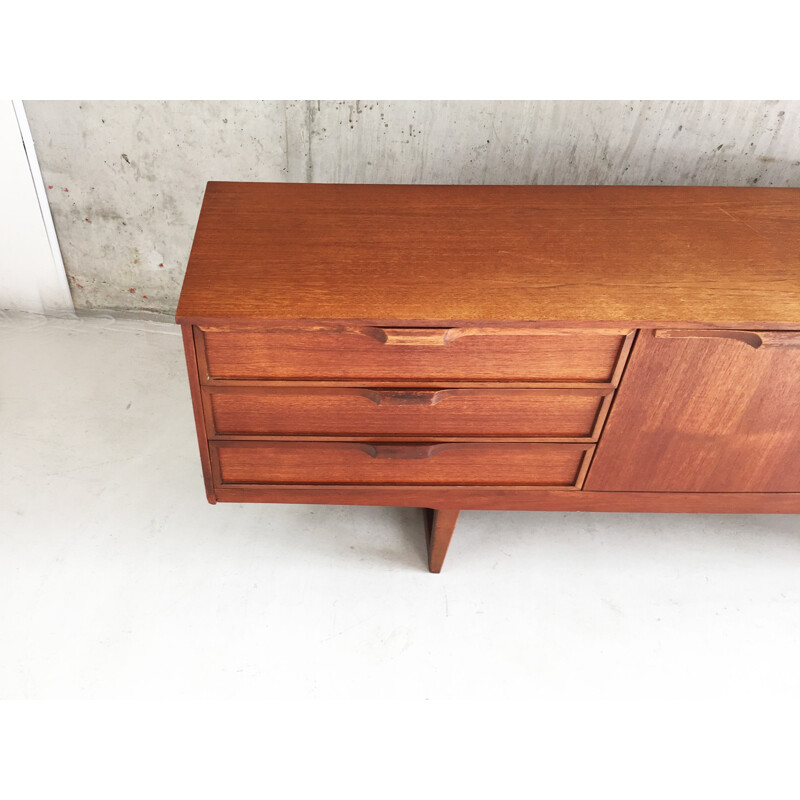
x: 755, y: 339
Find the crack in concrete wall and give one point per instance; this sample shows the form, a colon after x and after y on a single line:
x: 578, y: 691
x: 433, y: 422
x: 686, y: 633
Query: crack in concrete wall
x: 125, y: 179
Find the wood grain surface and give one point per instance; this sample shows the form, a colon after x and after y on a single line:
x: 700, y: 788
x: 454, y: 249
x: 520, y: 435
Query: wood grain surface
x: 439, y: 527
x: 462, y: 464
x: 408, y: 345
x: 437, y: 255
x: 452, y: 413
x: 704, y: 414
x: 197, y: 407
x: 530, y: 355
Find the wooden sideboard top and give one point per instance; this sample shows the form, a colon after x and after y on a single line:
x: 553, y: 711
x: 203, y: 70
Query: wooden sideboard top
x: 428, y: 255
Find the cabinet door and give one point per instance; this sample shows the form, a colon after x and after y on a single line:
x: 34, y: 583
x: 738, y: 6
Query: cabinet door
x: 705, y: 411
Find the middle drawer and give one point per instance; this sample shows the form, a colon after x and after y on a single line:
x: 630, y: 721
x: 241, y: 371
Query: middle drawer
x: 552, y: 414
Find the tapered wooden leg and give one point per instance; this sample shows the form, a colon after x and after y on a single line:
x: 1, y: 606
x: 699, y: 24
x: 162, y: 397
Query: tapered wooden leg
x: 439, y: 527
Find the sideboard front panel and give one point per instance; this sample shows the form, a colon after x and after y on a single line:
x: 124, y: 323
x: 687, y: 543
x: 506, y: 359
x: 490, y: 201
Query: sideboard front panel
x: 704, y: 411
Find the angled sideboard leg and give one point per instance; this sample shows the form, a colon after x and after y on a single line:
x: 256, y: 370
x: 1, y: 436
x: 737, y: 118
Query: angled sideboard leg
x: 439, y: 527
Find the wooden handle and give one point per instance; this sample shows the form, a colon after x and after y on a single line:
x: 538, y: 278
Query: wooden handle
x: 413, y: 336
x: 442, y: 336
x: 400, y: 450
x: 406, y: 397
x: 755, y: 339
x: 780, y: 338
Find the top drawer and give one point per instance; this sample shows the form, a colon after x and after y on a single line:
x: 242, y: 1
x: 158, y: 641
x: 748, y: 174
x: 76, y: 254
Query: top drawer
x: 415, y: 355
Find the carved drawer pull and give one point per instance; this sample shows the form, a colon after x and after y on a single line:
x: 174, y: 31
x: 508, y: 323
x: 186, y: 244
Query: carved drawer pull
x: 442, y: 336
x: 413, y: 336
x: 755, y: 339
x: 405, y: 451
x: 780, y: 338
x: 408, y: 397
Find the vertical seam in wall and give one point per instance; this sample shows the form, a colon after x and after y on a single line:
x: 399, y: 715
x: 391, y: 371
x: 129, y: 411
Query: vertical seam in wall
x: 309, y: 120
x: 286, y: 137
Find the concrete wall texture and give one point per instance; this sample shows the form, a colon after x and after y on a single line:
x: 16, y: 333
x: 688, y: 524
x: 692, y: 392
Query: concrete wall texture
x: 125, y: 179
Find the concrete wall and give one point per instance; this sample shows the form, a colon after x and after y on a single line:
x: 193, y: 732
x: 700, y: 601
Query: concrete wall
x: 125, y: 179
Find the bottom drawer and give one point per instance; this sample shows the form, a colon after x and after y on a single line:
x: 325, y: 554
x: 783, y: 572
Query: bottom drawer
x: 457, y: 464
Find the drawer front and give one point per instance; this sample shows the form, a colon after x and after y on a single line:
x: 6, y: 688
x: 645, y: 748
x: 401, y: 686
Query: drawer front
x: 417, y: 355
x: 460, y: 464
x: 453, y: 413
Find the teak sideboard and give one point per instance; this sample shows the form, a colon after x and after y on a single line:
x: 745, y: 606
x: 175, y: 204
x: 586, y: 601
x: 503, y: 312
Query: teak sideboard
x: 497, y: 347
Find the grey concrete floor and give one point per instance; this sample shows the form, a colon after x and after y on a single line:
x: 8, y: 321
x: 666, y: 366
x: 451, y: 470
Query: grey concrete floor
x: 117, y: 579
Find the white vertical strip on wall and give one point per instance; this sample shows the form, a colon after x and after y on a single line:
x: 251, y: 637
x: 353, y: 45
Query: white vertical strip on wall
x: 32, y: 276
